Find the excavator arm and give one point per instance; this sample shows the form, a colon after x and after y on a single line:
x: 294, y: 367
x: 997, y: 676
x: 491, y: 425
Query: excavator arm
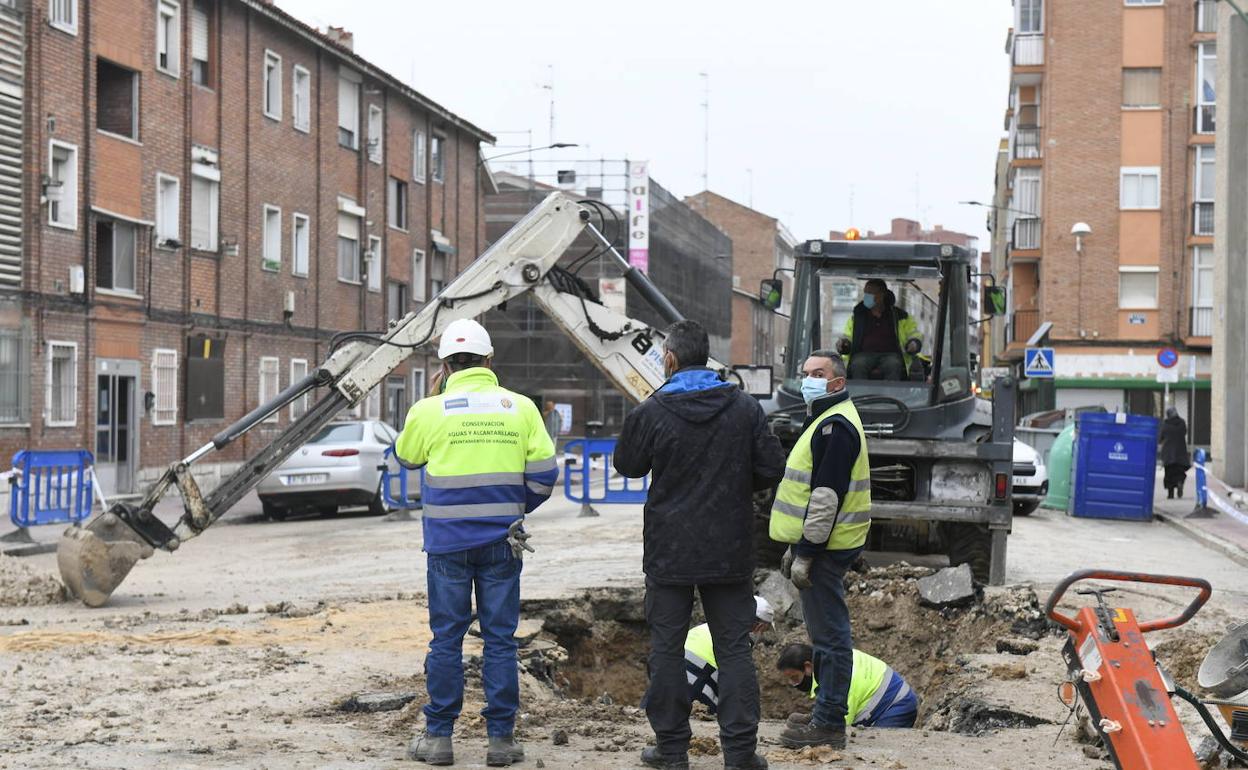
x: 95, y: 559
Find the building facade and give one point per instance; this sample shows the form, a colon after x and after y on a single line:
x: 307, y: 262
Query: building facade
x: 212, y: 190
x: 1111, y: 119
x: 761, y: 246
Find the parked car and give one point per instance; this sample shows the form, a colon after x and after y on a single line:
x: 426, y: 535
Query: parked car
x: 338, y: 468
x: 1031, y: 479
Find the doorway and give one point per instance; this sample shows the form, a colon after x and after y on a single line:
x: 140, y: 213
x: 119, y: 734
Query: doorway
x: 116, y: 426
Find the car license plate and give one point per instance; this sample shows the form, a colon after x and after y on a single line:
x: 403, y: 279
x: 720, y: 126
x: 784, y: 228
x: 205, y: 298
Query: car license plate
x: 306, y: 478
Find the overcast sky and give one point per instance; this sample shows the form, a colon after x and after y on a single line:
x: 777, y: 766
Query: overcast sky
x: 899, y: 104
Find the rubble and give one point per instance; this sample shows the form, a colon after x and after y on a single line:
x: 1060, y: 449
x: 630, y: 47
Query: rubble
x: 1014, y: 645
x: 371, y: 702
x: 1012, y: 670
x: 950, y: 587
x: 21, y: 585
x: 782, y: 595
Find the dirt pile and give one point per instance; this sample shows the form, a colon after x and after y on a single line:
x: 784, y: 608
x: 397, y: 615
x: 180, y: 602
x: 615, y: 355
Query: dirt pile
x: 21, y: 585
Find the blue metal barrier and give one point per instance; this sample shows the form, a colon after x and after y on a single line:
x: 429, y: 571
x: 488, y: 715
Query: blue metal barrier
x: 1202, y: 484
x: 406, y: 498
x: 51, y: 487
x: 614, y: 490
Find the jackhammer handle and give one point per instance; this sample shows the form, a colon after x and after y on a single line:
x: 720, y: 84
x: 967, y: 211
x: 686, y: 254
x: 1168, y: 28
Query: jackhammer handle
x: 1050, y: 607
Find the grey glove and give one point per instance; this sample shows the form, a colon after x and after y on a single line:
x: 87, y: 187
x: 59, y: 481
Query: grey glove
x: 518, y: 539
x: 801, y: 572
x: 786, y: 564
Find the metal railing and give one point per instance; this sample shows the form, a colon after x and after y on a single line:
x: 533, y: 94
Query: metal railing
x: 1028, y: 50
x: 1201, y: 322
x: 1026, y: 233
x: 1206, y: 16
x: 1202, y: 218
x: 1027, y: 143
x: 1204, y: 119
x: 1023, y: 324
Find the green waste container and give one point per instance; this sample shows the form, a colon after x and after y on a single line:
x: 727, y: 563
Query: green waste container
x: 1061, y: 460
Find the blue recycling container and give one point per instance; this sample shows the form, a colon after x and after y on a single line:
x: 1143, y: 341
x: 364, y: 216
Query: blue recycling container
x: 1115, y: 467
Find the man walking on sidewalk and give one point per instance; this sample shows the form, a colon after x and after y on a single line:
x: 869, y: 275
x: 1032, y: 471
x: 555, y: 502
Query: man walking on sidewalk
x: 708, y: 448
x: 488, y: 461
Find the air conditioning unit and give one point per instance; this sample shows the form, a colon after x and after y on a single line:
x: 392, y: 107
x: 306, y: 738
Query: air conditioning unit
x: 289, y: 306
x: 77, y: 279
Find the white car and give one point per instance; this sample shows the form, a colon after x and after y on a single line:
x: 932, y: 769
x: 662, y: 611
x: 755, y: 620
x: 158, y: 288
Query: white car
x: 339, y: 467
x: 1031, y: 479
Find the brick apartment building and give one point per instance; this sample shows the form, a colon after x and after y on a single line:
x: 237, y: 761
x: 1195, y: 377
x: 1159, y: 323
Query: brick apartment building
x: 761, y: 245
x: 212, y: 189
x: 1111, y: 124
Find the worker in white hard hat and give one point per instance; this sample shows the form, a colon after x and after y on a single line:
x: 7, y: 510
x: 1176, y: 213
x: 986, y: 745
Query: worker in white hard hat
x: 488, y: 461
x: 700, y: 667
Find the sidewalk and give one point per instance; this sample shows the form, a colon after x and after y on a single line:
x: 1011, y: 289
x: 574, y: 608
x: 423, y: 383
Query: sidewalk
x: 1218, y: 531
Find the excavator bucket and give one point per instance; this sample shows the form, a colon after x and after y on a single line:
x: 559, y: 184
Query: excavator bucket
x: 94, y: 559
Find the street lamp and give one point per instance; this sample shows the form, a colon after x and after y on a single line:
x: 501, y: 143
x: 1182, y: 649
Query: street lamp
x: 998, y: 208
x: 555, y: 146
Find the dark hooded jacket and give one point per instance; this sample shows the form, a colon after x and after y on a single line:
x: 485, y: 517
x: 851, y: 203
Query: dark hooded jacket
x: 1173, y: 438
x: 708, y: 448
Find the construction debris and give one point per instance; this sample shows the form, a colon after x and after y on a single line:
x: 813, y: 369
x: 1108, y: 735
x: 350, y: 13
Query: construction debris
x: 950, y: 587
x: 1015, y: 645
x: 371, y: 702
x: 21, y: 585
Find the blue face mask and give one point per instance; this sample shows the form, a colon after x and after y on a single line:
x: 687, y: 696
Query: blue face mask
x: 868, y: 301
x: 813, y: 388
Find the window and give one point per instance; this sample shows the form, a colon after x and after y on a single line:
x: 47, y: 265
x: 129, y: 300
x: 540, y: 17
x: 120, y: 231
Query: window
x: 271, y: 248
x: 165, y: 386
x: 63, y: 191
x: 166, y: 210
x: 299, y: 370
x: 1206, y: 88
x: 114, y: 255
x: 1141, y: 187
x: 348, y: 248
x: 438, y: 151
x: 299, y: 245
x: 272, y: 85
x: 205, y: 204
x: 418, y: 275
x: 63, y: 14
x: 1202, y: 278
x: 1027, y: 192
x: 373, y: 263
x: 396, y: 300
x: 375, y: 141
x: 418, y: 384
x: 270, y: 383
x: 397, y: 214
x: 62, y: 386
x: 1141, y: 87
x: 117, y: 99
x: 1137, y: 288
x: 1030, y: 16
x: 437, y: 273
x: 372, y: 404
x: 348, y: 109
x: 1144, y: 2
x: 1203, y: 178
x: 418, y: 156
x: 168, y: 37
x: 205, y: 378
x: 201, y: 23
x: 301, y: 98
x: 14, y: 376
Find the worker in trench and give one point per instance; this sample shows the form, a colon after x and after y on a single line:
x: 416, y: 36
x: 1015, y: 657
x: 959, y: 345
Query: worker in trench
x: 708, y: 448
x: 488, y: 461
x: 822, y: 510
x: 878, y: 695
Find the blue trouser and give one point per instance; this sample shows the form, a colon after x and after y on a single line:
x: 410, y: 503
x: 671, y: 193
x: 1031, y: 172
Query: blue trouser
x: 895, y: 711
x: 494, y: 573
x: 827, y: 622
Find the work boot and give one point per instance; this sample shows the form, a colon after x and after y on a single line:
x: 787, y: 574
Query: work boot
x: 503, y: 751
x: 432, y: 749
x: 755, y: 762
x: 812, y: 734
x: 1169, y: 493
x: 798, y: 719
x: 651, y: 757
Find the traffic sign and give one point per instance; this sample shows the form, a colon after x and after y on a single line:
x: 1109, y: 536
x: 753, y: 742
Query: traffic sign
x: 1038, y: 363
x: 1168, y: 358
x: 1168, y: 376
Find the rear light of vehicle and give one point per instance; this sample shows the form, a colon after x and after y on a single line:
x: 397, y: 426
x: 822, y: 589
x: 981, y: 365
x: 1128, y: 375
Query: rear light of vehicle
x: 340, y: 453
x: 1003, y: 486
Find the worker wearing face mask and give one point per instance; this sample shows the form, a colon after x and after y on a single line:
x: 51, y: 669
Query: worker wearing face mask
x: 700, y: 667
x: 878, y: 695
x: 822, y: 509
x: 880, y: 339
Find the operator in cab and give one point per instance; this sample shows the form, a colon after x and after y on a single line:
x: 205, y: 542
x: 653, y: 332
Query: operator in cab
x: 881, y: 339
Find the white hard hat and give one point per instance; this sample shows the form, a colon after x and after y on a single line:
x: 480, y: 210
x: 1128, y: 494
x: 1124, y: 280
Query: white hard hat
x: 464, y: 335
x: 763, y: 611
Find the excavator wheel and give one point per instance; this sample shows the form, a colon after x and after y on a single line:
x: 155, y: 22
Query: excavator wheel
x: 968, y: 544
x: 94, y: 559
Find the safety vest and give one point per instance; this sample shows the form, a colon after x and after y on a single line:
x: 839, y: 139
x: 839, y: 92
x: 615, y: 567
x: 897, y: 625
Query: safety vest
x: 698, y: 645
x: 788, y: 513
x: 487, y: 456
x: 868, y: 682
x: 907, y: 330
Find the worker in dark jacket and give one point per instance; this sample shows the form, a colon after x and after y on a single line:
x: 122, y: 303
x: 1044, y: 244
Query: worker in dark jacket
x: 1173, y: 453
x: 708, y: 448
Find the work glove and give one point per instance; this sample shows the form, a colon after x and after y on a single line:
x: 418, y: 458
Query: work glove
x: 518, y: 539
x: 786, y: 564
x: 800, y: 572
x: 843, y: 345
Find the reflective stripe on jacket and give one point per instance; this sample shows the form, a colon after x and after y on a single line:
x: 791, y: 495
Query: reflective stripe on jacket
x: 907, y: 331
x: 788, y: 512
x: 868, y: 684
x: 488, y: 460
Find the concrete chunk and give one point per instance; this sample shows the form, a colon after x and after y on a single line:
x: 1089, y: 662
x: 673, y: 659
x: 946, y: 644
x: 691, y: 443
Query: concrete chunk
x: 950, y: 587
x: 782, y: 595
x: 369, y: 702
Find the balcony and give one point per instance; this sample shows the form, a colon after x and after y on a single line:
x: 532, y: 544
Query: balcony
x: 1023, y: 324
x: 1201, y: 322
x: 1206, y: 16
x: 1027, y: 144
x: 1202, y: 218
x: 1028, y: 50
x: 1026, y: 234
x: 1203, y: 119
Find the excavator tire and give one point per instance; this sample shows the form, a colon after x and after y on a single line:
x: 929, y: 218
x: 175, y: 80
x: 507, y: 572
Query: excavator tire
x: 968, y: 544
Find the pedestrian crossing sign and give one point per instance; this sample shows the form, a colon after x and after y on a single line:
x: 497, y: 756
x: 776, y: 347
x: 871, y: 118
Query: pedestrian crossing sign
x: 1038, y: 363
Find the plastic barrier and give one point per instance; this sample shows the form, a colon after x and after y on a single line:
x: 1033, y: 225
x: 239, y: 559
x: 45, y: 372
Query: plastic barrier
x: 1210, y: 490
x: 579, y: 480
x: 51, y: 487
x: 407, y: 496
